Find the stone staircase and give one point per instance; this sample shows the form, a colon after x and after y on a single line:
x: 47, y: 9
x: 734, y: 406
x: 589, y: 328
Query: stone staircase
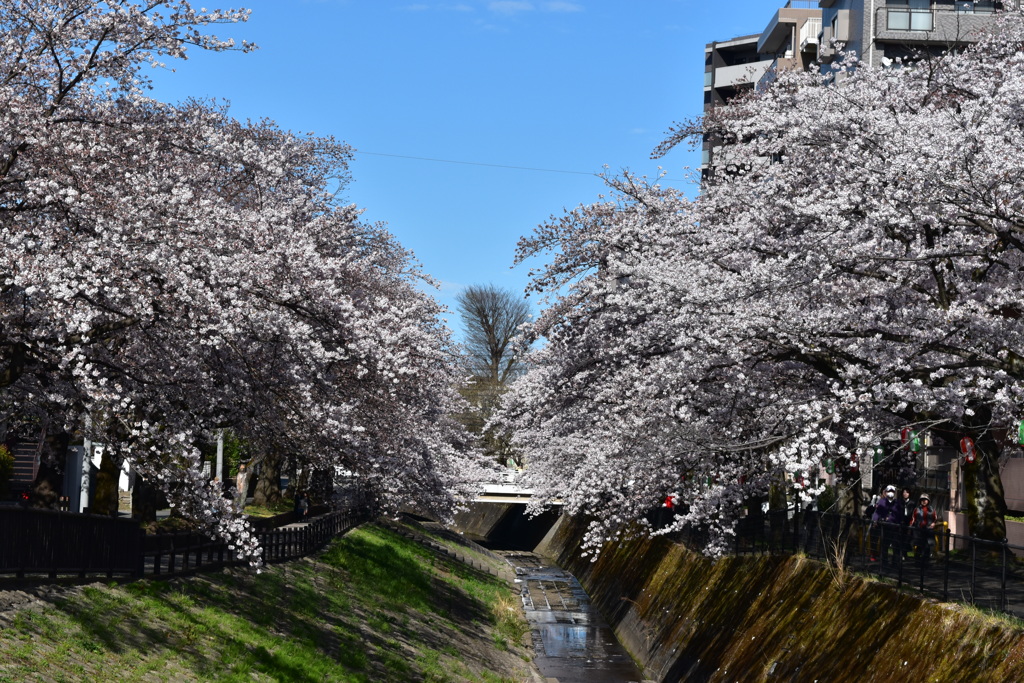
x: 26, y: 464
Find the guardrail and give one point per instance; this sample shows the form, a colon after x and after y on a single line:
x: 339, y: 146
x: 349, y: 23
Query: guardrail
x: 952, y: 568
x: 48, y: 544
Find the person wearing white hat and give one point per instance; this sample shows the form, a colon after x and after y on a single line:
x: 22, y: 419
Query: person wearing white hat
x: 886, y: 523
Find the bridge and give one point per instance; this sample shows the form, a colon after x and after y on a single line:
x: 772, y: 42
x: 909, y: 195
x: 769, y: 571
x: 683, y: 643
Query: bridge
x: 497, y: 515
x: 504, y: 493
x: 507, y: 489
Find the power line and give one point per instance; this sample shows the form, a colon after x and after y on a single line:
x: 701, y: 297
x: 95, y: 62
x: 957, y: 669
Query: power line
x: 478, y: 163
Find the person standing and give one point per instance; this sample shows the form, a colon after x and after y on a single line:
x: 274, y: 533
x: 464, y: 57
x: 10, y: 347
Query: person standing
x: 301, y: 506
x: 922, y: 523
x: 242, y: 487
x: 886, y: 523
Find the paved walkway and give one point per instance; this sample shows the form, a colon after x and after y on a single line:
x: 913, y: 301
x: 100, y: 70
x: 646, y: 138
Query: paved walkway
x: 985, y: 586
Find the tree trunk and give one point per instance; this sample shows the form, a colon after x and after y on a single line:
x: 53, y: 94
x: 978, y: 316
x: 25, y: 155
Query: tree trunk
x: 983, y: 485
x: 321, y: 485
x: 983, y: 490
x: 104, y: 498
x: 268, y: 484
x: 146, y: 500
x: 291, y: 470
x: 46, y: 488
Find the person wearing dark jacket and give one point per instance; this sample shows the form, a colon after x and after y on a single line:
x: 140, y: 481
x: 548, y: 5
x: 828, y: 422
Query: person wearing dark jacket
x: 886, y: 524
x: 922, y: 523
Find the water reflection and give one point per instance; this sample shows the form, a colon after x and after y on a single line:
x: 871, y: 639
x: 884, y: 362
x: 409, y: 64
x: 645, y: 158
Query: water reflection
x: 571, y: 641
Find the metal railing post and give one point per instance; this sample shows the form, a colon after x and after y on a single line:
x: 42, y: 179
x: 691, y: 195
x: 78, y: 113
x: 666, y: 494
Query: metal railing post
x: 974, y: 568
x: 1002, y: 591
x: 945, y: 568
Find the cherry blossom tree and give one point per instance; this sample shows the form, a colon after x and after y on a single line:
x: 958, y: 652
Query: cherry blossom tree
x: 171, y: 271
x: 859, y: 271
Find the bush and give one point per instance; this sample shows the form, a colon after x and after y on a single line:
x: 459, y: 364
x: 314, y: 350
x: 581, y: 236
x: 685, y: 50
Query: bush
x: 6, y: 468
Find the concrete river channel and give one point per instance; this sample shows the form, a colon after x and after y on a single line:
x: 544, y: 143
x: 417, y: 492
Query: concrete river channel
x: 571, y: 642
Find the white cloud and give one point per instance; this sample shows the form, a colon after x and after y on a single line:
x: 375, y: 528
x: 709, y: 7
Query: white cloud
x: 424, y: 7
x: 450, y: 287
x: 562, y: 7
x: 510, y: 6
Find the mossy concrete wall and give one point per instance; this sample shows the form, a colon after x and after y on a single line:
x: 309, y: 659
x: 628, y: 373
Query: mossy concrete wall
x: 506, y: 525
x: 686, y: 618
x: 478, y: 520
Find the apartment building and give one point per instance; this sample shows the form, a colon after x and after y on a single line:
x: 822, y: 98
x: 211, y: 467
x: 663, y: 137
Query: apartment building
x: 804, y: 35
x: 789, y: 41
x: 882, y: 31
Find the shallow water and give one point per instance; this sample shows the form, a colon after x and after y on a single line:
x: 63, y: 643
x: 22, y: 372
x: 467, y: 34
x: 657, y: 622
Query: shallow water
x: 571, y: 642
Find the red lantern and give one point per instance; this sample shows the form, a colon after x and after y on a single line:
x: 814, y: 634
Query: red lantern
x: 967, y: 448
x: 854, y: 464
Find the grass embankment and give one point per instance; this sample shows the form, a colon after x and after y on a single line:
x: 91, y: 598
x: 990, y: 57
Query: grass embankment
x: 373, y: 607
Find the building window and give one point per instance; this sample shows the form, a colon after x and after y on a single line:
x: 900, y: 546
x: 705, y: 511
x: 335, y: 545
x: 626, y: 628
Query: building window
x: 910, y: 15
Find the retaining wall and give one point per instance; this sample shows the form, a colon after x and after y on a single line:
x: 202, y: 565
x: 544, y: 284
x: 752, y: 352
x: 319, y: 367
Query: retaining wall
x: 778, y: 618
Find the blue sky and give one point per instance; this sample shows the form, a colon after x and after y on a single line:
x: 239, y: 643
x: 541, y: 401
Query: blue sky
x: 562, y: 87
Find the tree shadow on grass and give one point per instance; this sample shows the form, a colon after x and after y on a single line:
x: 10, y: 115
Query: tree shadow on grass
x: 367, y: 607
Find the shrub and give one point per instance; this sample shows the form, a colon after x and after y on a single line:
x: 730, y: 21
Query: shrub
x: 6, y: 468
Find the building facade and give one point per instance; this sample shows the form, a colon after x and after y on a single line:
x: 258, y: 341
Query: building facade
x: 883, y: 31
x: 806, y: 34
x: 789, y: 41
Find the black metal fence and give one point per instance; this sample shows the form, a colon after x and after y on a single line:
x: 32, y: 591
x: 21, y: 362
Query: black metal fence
x: 51, y: 544
x: 947, y: 566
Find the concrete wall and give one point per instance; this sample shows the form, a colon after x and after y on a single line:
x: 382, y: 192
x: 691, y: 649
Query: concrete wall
x: 686, y: 618
x: 480, y: 519
x: 1012, y: 474
x: 505, y: 525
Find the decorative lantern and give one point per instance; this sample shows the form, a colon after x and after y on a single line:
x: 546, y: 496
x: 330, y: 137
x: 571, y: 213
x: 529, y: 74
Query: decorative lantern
x: 1020, y: 432
x: 967, y: 448
x: 906, y: 434
x: 830, y: 466
x: 879, y: 454
x: 854, y: 464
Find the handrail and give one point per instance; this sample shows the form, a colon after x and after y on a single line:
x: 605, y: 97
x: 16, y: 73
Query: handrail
x: 49, y: 544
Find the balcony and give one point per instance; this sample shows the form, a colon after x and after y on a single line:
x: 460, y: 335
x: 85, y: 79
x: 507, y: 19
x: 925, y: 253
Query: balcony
x: 741, y: 74
x: 809, y: 34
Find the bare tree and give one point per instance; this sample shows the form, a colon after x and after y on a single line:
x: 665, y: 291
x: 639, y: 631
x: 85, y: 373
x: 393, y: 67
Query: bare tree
x: 491, y: 317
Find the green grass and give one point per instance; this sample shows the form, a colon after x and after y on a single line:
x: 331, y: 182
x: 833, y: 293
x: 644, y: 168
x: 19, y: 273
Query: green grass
x: 373, y: 607
x: 278, y: 508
